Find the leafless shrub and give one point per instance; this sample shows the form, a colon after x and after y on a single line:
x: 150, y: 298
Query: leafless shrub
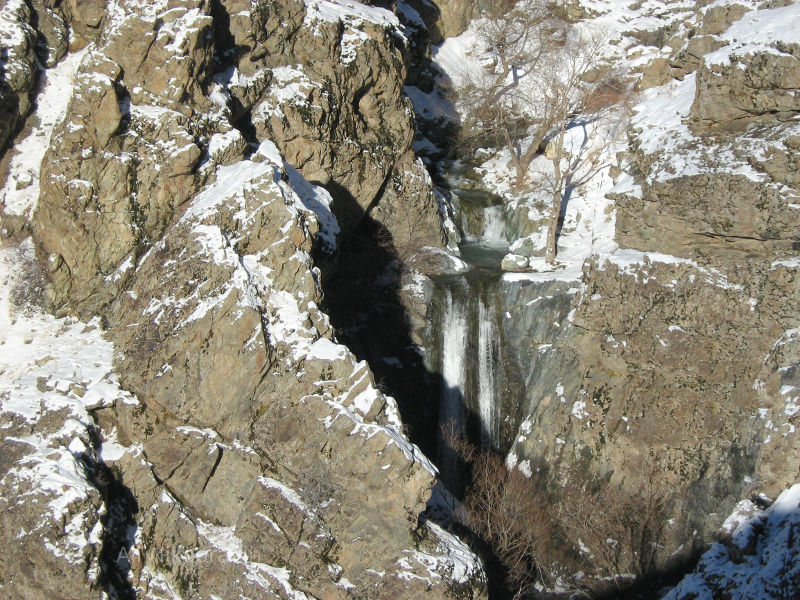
x: 506, y: 510
x: 29, y: 288
x: 611, y: 533
x: 620, y: 531
x: 316, y: 486
x: 612, y: 91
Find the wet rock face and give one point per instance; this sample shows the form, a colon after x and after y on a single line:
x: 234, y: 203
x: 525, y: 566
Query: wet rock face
x: 658, y: 373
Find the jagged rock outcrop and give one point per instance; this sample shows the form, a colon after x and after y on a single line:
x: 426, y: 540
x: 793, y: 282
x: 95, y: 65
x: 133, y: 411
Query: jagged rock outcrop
x: 680, y: 354
x: 57, y: 497
x: 350, y: 89
x: 256, y: 423
x: 126, y: 156
x: 752, y: 87
x: 182, y: 200
x: 345, y: 123
x: 18, y: 71
x: 52, y: 30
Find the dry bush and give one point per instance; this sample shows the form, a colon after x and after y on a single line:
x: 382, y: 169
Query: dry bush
x: 316, y: 485
x: 29, y: 289
x: 507, y: 511
x: 612, y: 91
x: 536, y: 534
x: 622, y: 529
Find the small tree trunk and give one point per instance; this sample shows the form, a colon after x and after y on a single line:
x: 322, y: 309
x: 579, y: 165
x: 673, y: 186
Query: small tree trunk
x: 518, y: 161
x: 555, y: 208
x: 522, y: 164
x: 552, y: 229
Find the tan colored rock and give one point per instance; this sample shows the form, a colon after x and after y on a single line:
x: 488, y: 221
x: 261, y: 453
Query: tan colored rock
x: 717, y: 19
x: 163, y: 56
x: 53, y: 30
x: 232, y: 431
x: 200, y: 263
x: 48, y: 526
x: 124, y: 159
x: 720, y: 215
x: 445, y: 18
x: 19, y: 72
x: 85, y: 18
x: 759, y: 86
x: 350, y: 121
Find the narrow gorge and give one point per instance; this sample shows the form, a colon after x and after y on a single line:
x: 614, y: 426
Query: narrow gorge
x: 393, y: 299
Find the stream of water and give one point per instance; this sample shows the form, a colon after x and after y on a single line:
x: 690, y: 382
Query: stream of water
x: 464, y: 335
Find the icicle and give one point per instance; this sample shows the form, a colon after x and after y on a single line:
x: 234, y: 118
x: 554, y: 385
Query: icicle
x: 486, y: 385
x: 451, y: 409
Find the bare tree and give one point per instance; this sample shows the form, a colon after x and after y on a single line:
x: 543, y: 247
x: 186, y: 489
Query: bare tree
x: 605, y: 117
x: 495, y: 105
x: 530, y: 83
x: 534, y: 83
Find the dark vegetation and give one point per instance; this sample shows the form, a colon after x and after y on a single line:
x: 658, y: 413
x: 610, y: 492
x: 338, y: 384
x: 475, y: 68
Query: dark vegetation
x: 534, y: 534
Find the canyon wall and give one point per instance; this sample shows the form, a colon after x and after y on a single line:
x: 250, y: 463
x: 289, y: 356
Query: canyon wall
x: 211, y: 158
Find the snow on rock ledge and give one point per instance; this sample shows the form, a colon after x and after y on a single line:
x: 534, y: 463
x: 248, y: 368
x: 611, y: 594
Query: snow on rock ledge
x: 53, y: 372
x: 759, y: 561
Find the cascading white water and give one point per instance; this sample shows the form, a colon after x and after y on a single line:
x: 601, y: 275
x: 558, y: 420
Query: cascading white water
x: 494, y: 226
x: 454, y: 372
x: 486, y: 385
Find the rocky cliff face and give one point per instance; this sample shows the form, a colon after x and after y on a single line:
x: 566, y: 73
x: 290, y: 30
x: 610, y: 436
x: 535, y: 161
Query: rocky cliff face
x: 664, y: 350
x: 680, y: 350
x: 210, y: 157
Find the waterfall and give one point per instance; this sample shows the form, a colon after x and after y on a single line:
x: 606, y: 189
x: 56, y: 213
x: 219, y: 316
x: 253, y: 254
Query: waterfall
x: 494, y: 226
x: 454, y: 374
x: 465, y: 333
x: 486, y: 385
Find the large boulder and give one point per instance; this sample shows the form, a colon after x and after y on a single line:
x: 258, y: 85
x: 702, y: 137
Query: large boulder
x: 754, y: 76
